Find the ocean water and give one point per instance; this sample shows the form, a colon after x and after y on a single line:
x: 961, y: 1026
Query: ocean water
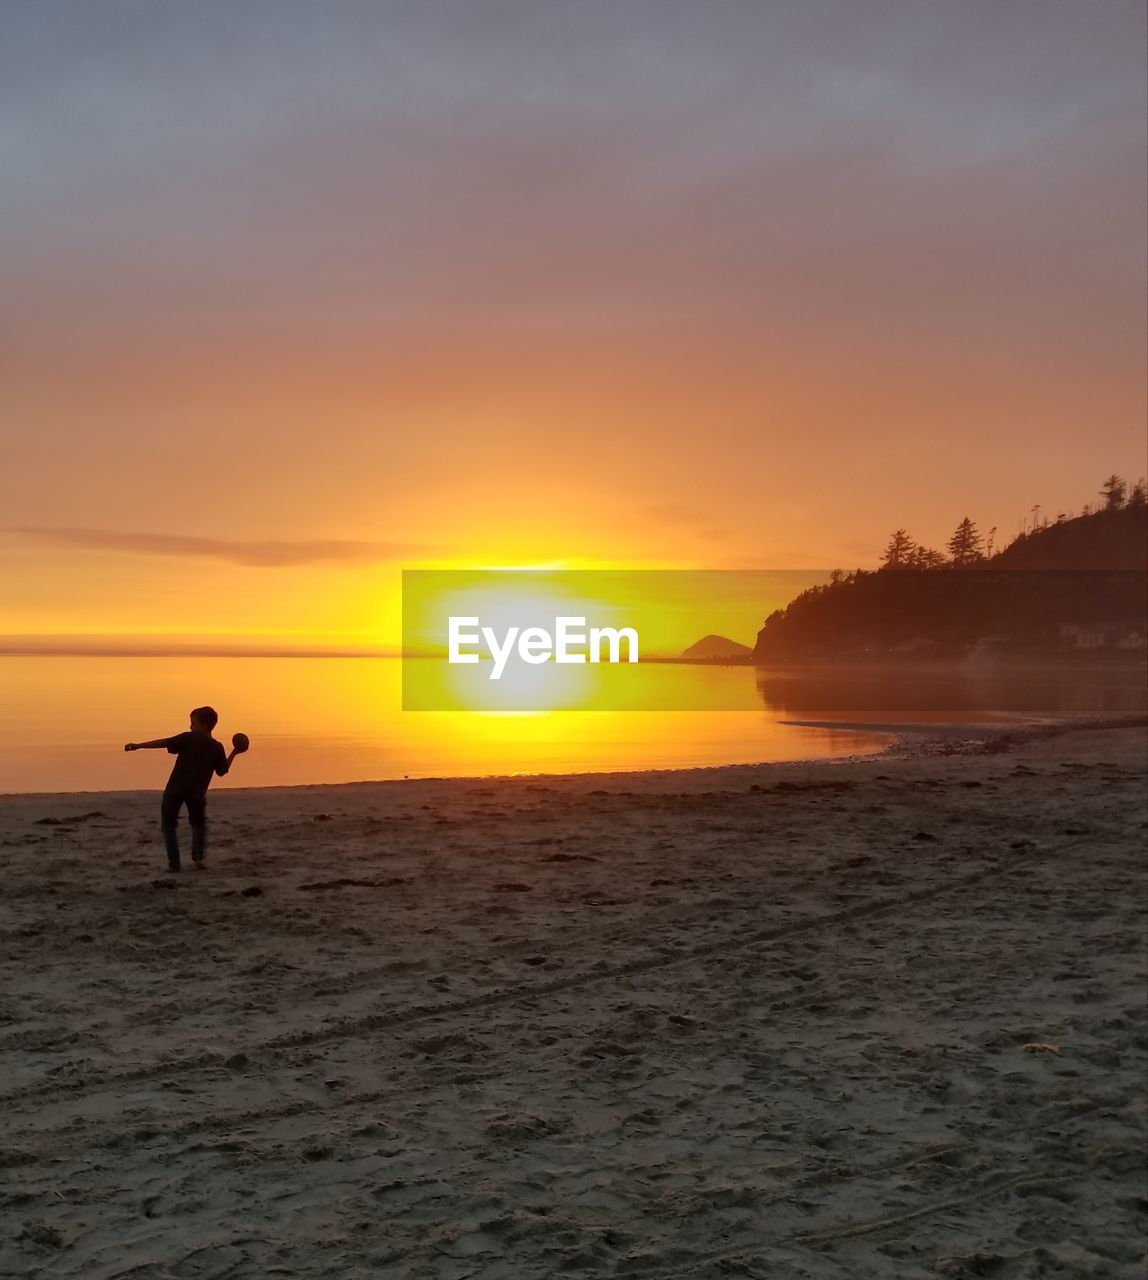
x: 64, y: 720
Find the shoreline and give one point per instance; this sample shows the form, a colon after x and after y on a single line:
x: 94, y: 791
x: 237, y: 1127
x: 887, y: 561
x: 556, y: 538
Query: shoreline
x: 918, y: 741
x: 911, y: 741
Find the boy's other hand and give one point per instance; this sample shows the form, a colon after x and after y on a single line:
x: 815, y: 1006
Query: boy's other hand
x: 131, y: 746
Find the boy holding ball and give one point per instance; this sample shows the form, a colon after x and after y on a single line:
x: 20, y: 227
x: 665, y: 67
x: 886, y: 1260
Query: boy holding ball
x: 198, y: 756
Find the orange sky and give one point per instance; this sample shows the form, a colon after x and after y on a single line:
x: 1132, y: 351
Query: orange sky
x: 298, y: 295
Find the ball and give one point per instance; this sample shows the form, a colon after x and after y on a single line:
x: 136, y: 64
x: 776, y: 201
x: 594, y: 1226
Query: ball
x: 240, y: 741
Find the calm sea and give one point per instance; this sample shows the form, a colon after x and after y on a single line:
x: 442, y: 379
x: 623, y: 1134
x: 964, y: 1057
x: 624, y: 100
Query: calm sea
x: 65, y: 719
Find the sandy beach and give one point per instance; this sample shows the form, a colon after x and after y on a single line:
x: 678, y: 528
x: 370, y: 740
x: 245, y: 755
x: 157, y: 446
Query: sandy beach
x: 883, y: 1017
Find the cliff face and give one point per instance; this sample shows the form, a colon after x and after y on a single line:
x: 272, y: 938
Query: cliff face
x: 1077, y: 585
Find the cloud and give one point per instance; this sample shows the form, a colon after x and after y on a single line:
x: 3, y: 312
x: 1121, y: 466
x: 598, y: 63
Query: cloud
x: 266, y: 554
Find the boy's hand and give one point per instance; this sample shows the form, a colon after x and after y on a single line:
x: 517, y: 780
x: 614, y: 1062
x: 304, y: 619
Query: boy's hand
x: 131, y: 746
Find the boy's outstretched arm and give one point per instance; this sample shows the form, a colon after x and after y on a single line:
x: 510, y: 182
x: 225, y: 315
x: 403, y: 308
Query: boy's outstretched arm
x: 144, y: 746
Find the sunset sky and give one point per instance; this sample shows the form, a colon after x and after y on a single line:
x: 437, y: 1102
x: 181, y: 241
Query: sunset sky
x: 298, y: 294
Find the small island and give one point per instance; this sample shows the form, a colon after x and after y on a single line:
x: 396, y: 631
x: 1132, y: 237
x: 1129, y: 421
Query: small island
x: 713, y: 648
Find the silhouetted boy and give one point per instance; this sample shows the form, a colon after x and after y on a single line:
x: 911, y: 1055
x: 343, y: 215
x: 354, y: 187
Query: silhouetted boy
x: 198, y: 756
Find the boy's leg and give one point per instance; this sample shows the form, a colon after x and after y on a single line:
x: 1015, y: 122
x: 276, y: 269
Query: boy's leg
x: 197, y: 817
x: 168, y: 820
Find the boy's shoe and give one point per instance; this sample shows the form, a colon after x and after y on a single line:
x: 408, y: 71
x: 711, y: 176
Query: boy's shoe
x: 200, y: 864
x: 173, y: 867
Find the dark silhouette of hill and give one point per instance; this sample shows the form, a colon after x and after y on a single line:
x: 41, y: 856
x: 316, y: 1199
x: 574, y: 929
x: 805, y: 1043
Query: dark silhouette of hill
x: 1108, y: 539
x: 1071, y: 586
x: 716, y: 647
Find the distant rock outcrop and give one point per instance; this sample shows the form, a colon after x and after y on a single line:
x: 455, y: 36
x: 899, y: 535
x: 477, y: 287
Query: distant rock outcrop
x: 716, y: 647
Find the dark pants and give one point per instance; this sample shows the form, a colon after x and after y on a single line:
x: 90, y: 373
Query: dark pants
x: 174, y: 798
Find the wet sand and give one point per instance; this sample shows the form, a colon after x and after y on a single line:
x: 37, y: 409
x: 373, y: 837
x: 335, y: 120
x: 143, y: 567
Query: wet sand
x: 876, y: 1018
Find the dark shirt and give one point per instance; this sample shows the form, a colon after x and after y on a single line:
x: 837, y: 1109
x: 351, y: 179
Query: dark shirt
x: 197, y: 758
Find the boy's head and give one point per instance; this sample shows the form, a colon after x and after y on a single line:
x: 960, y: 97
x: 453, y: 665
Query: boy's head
x: 204, y: 718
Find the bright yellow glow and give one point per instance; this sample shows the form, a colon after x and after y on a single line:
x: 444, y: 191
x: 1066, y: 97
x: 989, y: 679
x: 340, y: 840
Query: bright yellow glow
x: 336, y: 719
